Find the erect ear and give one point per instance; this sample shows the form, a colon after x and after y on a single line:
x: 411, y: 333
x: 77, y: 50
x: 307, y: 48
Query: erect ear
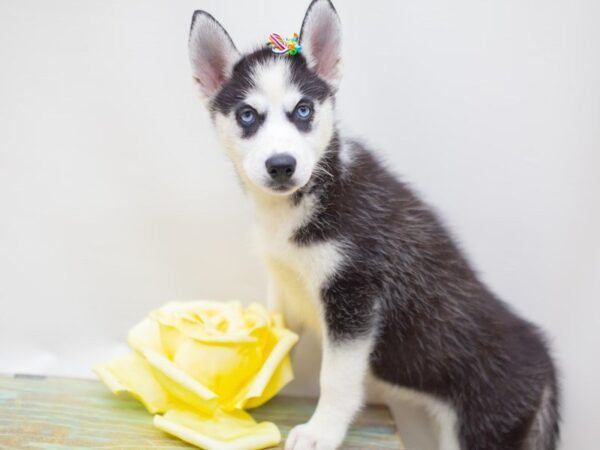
x: 212, y: 53
x: 321, y: 39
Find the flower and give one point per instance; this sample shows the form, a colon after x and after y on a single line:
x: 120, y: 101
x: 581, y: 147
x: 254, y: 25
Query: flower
x: 198, y: 365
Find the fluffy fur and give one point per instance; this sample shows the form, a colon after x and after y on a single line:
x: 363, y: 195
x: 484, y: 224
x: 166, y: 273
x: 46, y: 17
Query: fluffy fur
x: 354, y: 253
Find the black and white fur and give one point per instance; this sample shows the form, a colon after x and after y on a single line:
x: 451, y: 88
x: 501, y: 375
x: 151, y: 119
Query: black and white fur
x: 355, y: 254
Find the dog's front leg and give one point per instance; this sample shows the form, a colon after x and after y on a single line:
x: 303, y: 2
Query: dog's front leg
x: 345, y: 362
x: 275, y: 301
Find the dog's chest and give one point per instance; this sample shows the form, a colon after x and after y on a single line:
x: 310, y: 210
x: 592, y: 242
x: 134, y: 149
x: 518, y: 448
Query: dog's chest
x: 298, y: 271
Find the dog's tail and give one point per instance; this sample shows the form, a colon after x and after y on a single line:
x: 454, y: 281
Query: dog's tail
x: 544, y: 431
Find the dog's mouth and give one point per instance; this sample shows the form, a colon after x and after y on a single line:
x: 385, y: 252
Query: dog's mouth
x: 282, y: 187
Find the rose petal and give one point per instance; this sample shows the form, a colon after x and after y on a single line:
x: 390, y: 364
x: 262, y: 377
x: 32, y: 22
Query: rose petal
x: 257, y: 388
x: 281, y: 377
x: 223, y: 368
x: 199, y: 334
x: 146, y: 336
x: 222, y: 431
x: 202, y: 320
x: 181, y: 385
x: 132, y: 374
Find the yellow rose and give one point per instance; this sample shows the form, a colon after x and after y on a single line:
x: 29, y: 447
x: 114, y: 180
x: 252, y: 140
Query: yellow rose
x: 198, y: 365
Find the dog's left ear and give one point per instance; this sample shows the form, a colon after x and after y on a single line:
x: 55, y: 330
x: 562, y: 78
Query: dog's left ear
x: 321, y: 39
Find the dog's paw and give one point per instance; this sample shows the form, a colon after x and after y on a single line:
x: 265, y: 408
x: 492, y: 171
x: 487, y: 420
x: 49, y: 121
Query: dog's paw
x: 311, y: 437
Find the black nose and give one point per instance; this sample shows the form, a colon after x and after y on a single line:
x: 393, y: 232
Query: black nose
x: 281, y: 166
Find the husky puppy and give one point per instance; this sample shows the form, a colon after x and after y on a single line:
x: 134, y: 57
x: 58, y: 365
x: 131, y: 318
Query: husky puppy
x: 358, y: 256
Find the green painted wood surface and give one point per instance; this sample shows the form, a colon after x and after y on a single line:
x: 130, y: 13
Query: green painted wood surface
x: 73, y: 414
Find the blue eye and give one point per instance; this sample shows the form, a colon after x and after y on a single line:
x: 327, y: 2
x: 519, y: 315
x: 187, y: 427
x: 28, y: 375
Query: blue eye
x: 303, y: 112
x: 247, y: 117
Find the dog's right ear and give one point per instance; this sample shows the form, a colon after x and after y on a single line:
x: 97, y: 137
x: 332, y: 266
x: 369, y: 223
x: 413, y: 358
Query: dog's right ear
x: 212, y: 53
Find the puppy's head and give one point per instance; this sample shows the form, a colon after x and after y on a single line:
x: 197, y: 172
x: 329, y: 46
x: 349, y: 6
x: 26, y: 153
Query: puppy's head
x: 274, y: 114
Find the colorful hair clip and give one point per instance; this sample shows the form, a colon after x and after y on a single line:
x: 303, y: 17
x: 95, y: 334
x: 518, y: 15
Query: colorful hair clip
x: 290, y: 46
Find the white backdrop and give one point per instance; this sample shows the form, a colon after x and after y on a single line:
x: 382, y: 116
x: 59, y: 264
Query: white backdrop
x: 114, y: 196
